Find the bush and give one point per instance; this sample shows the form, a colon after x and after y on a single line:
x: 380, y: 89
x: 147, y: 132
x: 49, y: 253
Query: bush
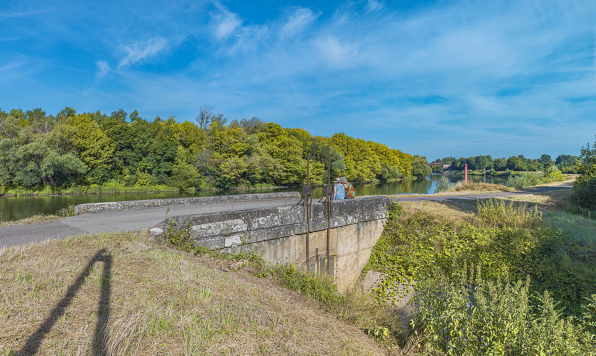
x: 468, y: 315
x: 523, y: 180
x: 584, y: 193
x: 552, y: 174
x: 443, y: 185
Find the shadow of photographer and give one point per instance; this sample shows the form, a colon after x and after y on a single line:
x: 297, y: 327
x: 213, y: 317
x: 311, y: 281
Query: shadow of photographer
x: 100, y: 335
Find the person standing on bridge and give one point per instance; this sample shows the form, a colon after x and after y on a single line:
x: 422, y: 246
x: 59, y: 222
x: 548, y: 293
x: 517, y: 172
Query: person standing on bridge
x: 348, y: 188
x: 339, y: 191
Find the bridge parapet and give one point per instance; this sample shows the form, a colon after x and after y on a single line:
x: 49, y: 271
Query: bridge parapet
x: 159, y: 203
x: 280, y: 234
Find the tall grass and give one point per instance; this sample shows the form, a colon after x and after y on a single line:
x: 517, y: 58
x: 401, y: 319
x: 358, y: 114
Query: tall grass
x: 502, y: 214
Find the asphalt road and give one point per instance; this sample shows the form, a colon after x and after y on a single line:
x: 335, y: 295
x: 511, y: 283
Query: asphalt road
x: 118, y: 221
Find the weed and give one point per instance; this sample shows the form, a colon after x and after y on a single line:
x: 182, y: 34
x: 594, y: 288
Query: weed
x: 499, y: 213
x: 67, y: 211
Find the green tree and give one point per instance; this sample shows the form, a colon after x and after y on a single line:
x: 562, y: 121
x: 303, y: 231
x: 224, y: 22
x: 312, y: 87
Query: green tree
x: 184, y: 173
x: 420, y: 167
x: 516, y: 164
x: 389, y: 172
x: 93, y: 147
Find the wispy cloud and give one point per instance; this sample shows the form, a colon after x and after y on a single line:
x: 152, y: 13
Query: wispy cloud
x: 224, y: 22
x: 141, y: 50
x: 300, y: 19
x: 102, y: 69
x: 374, y: 5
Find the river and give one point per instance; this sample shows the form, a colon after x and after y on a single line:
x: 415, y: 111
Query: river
x: 19, y: 208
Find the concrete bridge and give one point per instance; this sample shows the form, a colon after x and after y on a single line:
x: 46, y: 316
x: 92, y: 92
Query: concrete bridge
x: 271, y: 223
x: 282, y: 235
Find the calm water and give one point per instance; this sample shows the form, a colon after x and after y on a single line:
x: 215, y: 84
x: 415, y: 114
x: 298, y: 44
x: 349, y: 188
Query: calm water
x: 20, y: 208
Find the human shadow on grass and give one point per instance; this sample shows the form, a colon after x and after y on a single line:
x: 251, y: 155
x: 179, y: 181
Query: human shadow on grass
x: 100, y: 335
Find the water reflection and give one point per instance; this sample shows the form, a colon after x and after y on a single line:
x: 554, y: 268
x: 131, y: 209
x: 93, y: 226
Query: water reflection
x: 20, y: 208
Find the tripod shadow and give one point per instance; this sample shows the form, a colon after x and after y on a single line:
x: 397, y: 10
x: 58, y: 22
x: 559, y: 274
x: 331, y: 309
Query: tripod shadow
x: 100, y: 335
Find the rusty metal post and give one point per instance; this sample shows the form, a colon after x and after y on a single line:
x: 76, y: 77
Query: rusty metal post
x: 306, y: 204
x: 466, y: 172
x: 328, y: 206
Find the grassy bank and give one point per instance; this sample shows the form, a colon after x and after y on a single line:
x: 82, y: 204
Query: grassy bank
x: 126, y: 294
x: 92, y: 189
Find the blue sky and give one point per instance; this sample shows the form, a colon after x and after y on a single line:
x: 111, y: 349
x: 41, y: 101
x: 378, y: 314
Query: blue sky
x: 436, y: 78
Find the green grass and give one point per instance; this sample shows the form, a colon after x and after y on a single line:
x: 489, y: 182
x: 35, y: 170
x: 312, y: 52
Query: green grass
x: 578, y: 227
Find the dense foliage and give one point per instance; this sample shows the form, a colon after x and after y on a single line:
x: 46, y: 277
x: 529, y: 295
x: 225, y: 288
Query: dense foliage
x: 505, y: 238
x: 483, y: 312
x: 94, y: 149
x: 502, y: 319
x: 564, y: 163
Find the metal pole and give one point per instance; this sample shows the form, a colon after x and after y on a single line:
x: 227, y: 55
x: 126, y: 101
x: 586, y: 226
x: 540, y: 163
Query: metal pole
x: 307, y: 210
x: 328, y: 210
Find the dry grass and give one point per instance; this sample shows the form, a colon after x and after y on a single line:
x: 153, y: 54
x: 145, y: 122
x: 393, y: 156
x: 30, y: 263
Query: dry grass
x: 140, y: 298
x: 479, y: 187
x: 555, y: 200
x: 35, y: 219
x: 457, y: 213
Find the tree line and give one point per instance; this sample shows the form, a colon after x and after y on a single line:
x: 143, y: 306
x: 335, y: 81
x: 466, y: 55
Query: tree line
x: 70, y: 149
x: 565, y: 163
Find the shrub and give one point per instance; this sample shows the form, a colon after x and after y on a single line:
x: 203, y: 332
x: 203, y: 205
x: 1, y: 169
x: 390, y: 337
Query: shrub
x: 443, y: 185
x: 523, y: 180
x: 584, y: 193
x: 468, y: 315
x: 552, y: 174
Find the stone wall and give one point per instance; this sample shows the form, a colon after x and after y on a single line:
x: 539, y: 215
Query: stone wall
x: 158, y: 203
x: 279, y: 234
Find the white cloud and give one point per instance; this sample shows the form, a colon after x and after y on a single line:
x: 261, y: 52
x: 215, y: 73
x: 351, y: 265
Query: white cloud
x: 300, y: 19
x: 141, y: 50
x: 334, y: 52
x: 102, y: 69
x: 374, y: 5
x: 225, y: 22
